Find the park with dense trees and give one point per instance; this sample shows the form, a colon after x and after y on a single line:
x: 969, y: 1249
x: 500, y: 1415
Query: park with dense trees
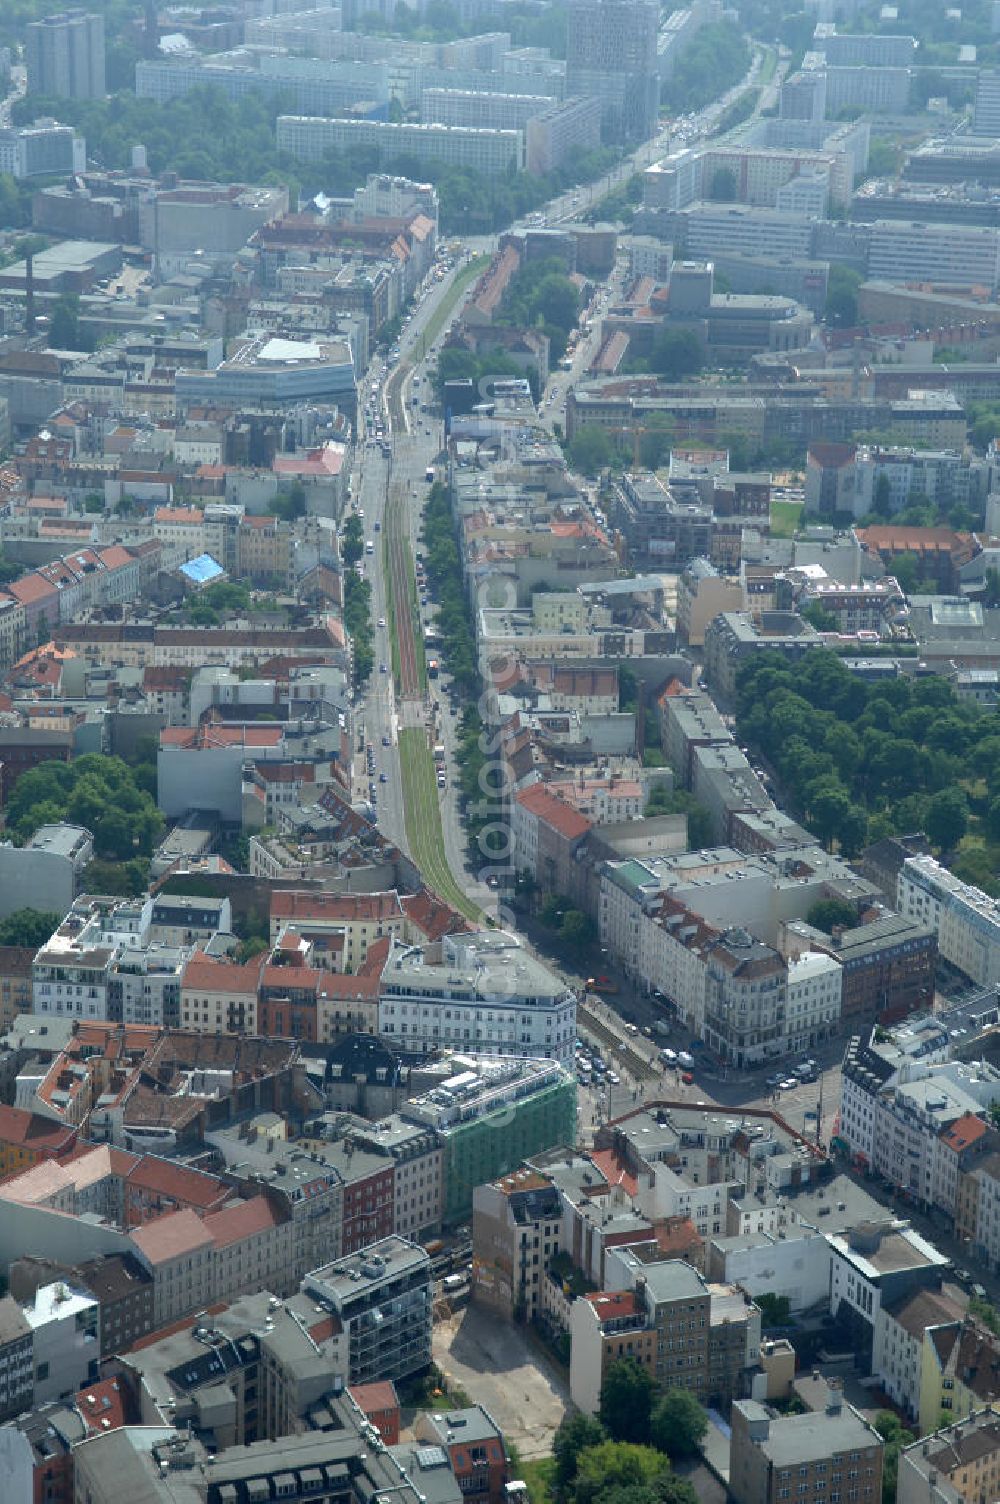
x: 103, y: 794
x: 859, y: 761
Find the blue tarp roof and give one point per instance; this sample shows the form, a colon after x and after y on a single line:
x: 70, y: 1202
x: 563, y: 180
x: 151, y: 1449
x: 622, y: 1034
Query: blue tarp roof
x: 203, y: 570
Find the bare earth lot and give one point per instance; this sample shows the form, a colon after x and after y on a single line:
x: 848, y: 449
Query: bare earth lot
x: 499, y: 1369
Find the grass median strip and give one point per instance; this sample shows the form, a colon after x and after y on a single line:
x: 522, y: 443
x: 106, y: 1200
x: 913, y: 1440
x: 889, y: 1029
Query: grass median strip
x: 422, y: 811
x: 443, y: 311
x: 390, y: 606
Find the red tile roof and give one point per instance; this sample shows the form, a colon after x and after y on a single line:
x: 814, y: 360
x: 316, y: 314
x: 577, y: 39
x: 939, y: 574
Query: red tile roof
x: 432, y: 916
x: 103, y: 1405
x: 967, y: 1130
x: 30, y: 588
x: 30, y: 1131
x: 371, y: 1398
x: 178, y: 1183
x: 342, y: 987
x: 210, y: 736
x: 610, y: 1305
x: 169, y: 1237
x: 346, y: 908
x: 562, y: 817
x: 243, y: 1220
x: 206, y: 975
x: 614, y: 1171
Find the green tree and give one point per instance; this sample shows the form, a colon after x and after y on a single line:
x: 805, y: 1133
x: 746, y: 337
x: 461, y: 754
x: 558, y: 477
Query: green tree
x: 626, y: 1401
x: 577, y: 1432
x: 818, y: 615
x: 826, y: 914
x: 664, y: 801
x: 28, y: 927
x: 656, y: 441
x: 64, y: 331
x: 947, y: 818
x: 590, y: 449
x: 98, y: 792
x: 906, y: 568
x: 577, y: 929
x: 290, y: 504
x: 352, y: 541
x: 122, y: 879
x: 882, y: 498
x: 612, y: 1467
x: 828, y: 804
x: 678, y: 1424
x: 677, y: 353
x: 775, y: 1310
x: 895, y: 1437
x: 992, y: 819
x: 841, y: 310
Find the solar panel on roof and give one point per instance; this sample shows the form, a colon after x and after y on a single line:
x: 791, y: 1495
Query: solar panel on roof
x: 428, y: 1457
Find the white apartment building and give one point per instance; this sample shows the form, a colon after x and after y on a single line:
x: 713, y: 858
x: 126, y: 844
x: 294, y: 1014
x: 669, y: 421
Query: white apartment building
x: 807, y: 193
x: 812, y: 1012
x: 909, y: 1117
x: 987, y: 117
x: 899, y: 1340
x: 65, y: 1328
x: 743, y: 229
x: 70, y: 971
x: 864, y: 1259
x: 479, y: 993
x: 509, y: 112
x: 144, y: 984
x: 493, y: 152
x: 954, y: 255
x: 746, y: 1000
x: 181, y: 530
x: 966, y: 919
x: 672, y: 943
x: 875, y: 90
x: 762, y: 170
x: 550, y: 137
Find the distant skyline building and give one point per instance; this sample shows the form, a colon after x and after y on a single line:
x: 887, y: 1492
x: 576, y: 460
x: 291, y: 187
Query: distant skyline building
x: 986, y: 121
x: 611, y: 56
x: 64, y: 55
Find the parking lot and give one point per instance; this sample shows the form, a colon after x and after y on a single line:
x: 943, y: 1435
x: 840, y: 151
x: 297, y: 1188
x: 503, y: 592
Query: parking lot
x: 499, y: 1368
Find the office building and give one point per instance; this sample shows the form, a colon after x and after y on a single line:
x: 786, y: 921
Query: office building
x: 509, y: 112
x: 611, y: 56
x: 271, y: 372
x: 966, y: 920
x: 17, y: 1385
x: 492, y: 152
x: 481, y: 993
x: 382, y: 1299
x: 565, y: 127
x: 64, y: 55
x: 488, y: 1116
x: 40, y: 149
x: 850, y: 49
x: 883, y: 91
x: 803, y: 96
x: 952, y: 255
x: 986, y: 121
x: 813, y: 1456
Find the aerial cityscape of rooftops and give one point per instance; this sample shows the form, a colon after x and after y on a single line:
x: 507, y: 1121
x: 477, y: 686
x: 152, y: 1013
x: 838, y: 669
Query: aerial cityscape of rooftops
x: 500, y: 752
